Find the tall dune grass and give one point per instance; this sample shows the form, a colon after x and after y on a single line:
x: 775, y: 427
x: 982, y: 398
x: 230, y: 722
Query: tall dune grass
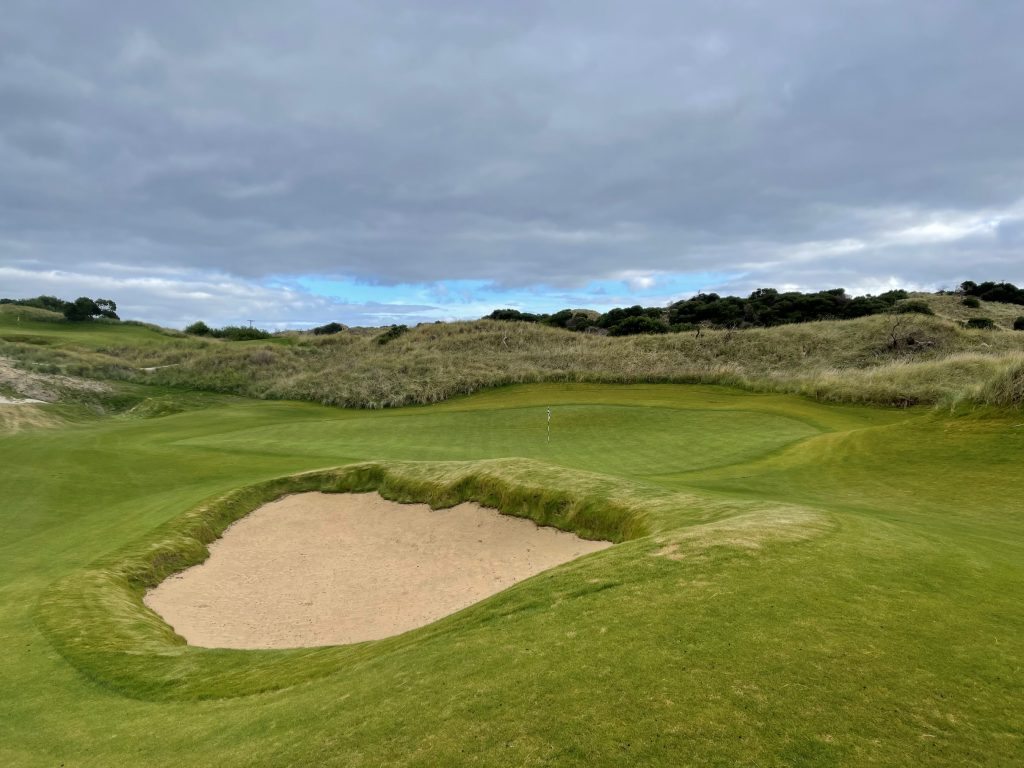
x: 933, y: 362
x: 885, y: 360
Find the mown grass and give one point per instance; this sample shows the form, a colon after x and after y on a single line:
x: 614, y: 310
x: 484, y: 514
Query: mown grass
x: 116, y: 641
x: 798, y: 584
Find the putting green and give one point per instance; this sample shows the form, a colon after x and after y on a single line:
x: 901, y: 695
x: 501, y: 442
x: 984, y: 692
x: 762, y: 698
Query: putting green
x: 806, y: 585
x: 590, y: 437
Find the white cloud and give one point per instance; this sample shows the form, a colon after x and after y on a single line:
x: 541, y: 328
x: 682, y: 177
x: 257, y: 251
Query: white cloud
x: 178, y: 298
x: 532, y: 145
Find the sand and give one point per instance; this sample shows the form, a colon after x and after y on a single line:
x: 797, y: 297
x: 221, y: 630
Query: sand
x: 32, y: 387
x: 328, y: 569
x: 19, y: 401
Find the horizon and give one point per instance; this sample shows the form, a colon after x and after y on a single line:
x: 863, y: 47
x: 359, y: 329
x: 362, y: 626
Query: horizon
x: 540, y: 314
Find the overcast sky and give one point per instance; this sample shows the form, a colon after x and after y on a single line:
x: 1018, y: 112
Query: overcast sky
x: 296, y: 163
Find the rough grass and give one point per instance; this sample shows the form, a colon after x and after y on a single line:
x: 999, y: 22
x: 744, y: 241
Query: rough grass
x: 883, y: 360
x: 952, y: 308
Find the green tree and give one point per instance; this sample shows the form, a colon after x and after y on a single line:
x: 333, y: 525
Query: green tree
x: 107, y: 308
x: 198, y: 328
x: 81, y: 309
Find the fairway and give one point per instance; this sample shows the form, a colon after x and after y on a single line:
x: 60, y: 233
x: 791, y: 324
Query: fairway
x: 795, y: 584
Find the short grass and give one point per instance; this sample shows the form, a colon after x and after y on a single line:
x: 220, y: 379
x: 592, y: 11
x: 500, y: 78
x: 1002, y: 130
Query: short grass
x: 798, y: 584
x: 38, y: 327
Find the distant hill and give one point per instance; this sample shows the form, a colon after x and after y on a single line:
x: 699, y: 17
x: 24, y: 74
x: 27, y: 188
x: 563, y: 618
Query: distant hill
x: 892, y: 359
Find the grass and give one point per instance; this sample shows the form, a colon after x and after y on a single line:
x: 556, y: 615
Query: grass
x: 798, y: 583
x: 952, y: 308
x: 883, y: 360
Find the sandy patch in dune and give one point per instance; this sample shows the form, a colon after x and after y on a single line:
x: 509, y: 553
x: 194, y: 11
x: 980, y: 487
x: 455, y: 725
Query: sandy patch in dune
x: 325, y: 569
x: 32, y: 387
x: 19, y: 400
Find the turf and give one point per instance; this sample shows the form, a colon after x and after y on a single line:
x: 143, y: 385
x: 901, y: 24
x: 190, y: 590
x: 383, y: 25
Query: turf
x: 797, y: 584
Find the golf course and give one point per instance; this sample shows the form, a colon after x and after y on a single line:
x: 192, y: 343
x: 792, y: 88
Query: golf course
x: 792, y: 582
x: 512, y: 384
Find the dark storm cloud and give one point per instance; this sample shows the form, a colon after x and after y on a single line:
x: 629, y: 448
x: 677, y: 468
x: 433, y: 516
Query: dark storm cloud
x: 528, y: 143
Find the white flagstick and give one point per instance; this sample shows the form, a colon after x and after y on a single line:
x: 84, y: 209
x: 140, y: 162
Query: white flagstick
x: 549, y: 425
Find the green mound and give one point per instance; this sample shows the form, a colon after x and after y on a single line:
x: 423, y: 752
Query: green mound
x: 96, y: 617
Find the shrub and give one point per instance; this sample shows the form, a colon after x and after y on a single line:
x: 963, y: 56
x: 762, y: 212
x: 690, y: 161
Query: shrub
x: 989, y: 291
x: 508, y: 314
x: 767, y: 307
x: 198, y: 328
x: 240, y: 333
x: 638, y: 324
x: 972, y: 302
x: 229, y: 332
x: 1018, y: 324
x: 630, y: 317
x: 326, y: 330
x: 914, y: 307
x: 571, y: 319
x: 392, y: 333
x: 983, y: 323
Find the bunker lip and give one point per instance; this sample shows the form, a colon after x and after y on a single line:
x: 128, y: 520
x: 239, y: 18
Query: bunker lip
x: 315, y: 569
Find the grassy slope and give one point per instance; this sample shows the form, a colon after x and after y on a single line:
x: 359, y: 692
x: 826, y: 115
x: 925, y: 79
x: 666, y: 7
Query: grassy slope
x: 843, y: 361
x: 41, y: 328
x: 952, y: 308
x: 878, y: 622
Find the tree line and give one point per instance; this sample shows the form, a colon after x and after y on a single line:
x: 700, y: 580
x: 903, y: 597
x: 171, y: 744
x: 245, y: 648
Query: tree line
x: 81, y: 309
x: 763, y: 308
x: 1008, y: 293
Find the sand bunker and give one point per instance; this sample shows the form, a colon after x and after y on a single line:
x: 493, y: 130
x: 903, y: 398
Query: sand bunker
x: 325, y: 569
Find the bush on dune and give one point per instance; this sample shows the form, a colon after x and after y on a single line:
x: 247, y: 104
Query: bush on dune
x: 228, y: 332
x: 981, y: 323
x: 198, y: 328
x: 913, y: 307
x: 392, y: 333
